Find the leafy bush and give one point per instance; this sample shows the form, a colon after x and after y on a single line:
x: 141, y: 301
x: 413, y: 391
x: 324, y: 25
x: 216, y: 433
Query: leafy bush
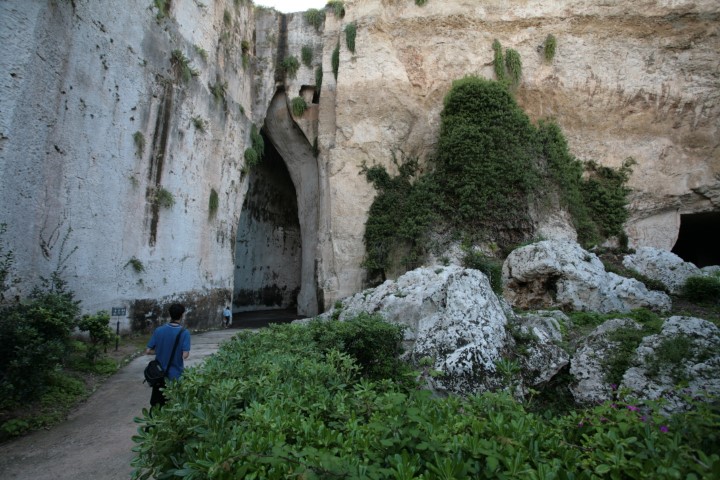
x: 163, y: 198
x: 298, y: 105
x: 498, y: 61
x: 218, y: 90
x: 350, y: 34
x: 513, y: 63
x: 182, y: 67
x: 420, y: 3
x: 213, y: 202
x: 272, y: 405
x: 338, y: 7
x: 251, y: 157
x: 335, y: 60
x: 492, y: 268
x: 36, y: 335
x: 373, y: 343
x: 702, y: 289
x: 101, y: 335
x: 315, y: 18
x: 549, y: 47
x: 290, y: 66
x: 306, y: 54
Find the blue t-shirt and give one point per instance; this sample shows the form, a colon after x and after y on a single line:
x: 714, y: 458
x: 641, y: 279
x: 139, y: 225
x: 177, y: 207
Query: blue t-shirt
x: 162, y: 341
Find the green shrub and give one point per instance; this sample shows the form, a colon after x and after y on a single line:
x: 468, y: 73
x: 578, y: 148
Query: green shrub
x: 350, y: 34
x: 251, y: 157
x: 315, y: 18
x: 373, y: 343
x: 290, y: 66
x: 492, y: 268
x: 227, y: 18
x: 36, y: 335
x: 213, y: 203
x: 163, y: 198
x: 199, y: 123
x: 335, y: 60
x: 702, y: 289
x: 306, y: 54
x: 162, y: 6
x: 273, y: 404
x: 101, y: 335
x: 298, y: 106
x: 218, y: 90
x: 420, y: 3
x: 338, y: 7
x: 514, y: 65
x: 136, y: 265
x: 498, y: 61
x: 182, y: 67
x: 139, y: 140
x: 257, y: 141
x: 549, y: 47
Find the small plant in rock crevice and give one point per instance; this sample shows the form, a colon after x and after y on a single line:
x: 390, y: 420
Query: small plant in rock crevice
x: 163, y: 198
x: 213, y: 203
x: 182, y: 67
x: 514, y: 66
x: 338, y: 7
x: 136, y: 265
x: 306, y: 53
x: 315, y: 18
x: 298, y: 105
x: 420, y: 3
x: 350, y: 34
x: 218, y: 90
x: 549, y: 47
x: 290, y: 66
x: 199, y: 123
x: 335, y: 60
x: 139, y: 140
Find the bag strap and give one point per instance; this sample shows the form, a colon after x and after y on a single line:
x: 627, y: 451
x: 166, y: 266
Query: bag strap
x: 172, y: 355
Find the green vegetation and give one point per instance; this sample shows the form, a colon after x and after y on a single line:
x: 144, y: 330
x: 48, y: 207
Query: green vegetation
x: 302, y: 401
x: 162, y: 7
x: 99, y: 332
x: 199, y: 123
x: 136, y: 265
x: 491, y: 267
x: 318, y: 79
x: 213, y: 203
x: 315, y: 18
x: 306, y: 54
x: 139, y: 140
x: 218, y: 90
x: 627, y: 340
x: 38, y: 380
x: 298, y: 105
x: 201, y: 51
x: 420, y: 3
x: 702, y: 289
x: 255, y: 152
x: 227, y: 18
x: 499, y: 61
x: 350, y: 34
x: 489, y: 164
x: 338, y: 7
x: 182, y: 67
x: 163, y: 198
x: 290, y: 66
x: 549, y: 47
x: 335, y: 60
x: 513, y: 65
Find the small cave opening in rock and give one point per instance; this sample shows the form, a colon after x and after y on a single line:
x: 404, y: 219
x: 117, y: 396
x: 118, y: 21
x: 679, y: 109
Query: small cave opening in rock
x: 268, y: 248
x: 698, y: 239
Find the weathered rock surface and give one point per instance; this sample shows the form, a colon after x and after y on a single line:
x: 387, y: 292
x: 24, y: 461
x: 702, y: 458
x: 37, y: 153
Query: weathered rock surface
x: 587, y: 365
x: 661, y: 265
x: 552, y: 274
x: 453, y: 317
x: 687, y: 351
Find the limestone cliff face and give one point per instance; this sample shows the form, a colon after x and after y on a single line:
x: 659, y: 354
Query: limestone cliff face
x: 96, y: 119
x: 629, y: 79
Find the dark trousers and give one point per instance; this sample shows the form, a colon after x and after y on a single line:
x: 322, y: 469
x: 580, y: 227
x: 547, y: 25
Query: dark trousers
x: 157, y: 398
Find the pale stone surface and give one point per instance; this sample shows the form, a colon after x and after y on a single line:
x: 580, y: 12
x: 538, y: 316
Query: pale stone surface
x: 83, y: 79
x: 453, y: 317
x: 587, y: 367
x: 544, y: 357
x: 656, y: 376
x: 661, y: 265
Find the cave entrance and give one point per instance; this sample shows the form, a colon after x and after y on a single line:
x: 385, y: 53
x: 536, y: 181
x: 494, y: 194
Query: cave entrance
x: 698, y: 239
x: 276, y: 254
x: 268, y: 251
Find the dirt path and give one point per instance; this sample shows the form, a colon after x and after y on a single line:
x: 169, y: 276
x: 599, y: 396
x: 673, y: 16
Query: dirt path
x: 95, y: 442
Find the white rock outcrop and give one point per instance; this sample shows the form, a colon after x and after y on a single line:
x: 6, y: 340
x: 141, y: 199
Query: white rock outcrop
x: 453, y: 317
x: 687, y: 351
x: 661, y: 265
x: 552, y: 274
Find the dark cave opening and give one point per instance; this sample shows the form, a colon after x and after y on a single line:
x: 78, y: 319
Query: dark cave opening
x: 699, y: 239
x: 269, y: 247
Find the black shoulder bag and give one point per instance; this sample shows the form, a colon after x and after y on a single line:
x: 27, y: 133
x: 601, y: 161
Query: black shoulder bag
x: 154, y: 372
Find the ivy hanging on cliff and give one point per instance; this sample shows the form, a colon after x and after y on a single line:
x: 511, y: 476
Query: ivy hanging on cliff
x: 489, y: 165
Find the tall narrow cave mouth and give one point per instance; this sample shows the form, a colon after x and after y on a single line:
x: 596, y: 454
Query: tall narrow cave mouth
x: 268, y: 251
x: 698, y: 239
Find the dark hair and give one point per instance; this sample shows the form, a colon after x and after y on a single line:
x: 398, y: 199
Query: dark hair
x: 176, y: 311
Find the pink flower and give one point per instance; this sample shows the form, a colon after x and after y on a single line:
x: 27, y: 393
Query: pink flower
x: 664, y: 429
x: 632, y: 408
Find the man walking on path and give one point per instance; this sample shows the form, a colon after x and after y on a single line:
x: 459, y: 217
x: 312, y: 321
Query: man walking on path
x: 95, y: 442
x: 227, y: 317
x: 171, y: 345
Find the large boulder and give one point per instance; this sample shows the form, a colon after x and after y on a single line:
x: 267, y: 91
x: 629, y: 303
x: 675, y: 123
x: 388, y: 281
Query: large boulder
x: 453, y: 318
x: 663, y: 266
x: 556, y: 273
x: 687, y: 351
